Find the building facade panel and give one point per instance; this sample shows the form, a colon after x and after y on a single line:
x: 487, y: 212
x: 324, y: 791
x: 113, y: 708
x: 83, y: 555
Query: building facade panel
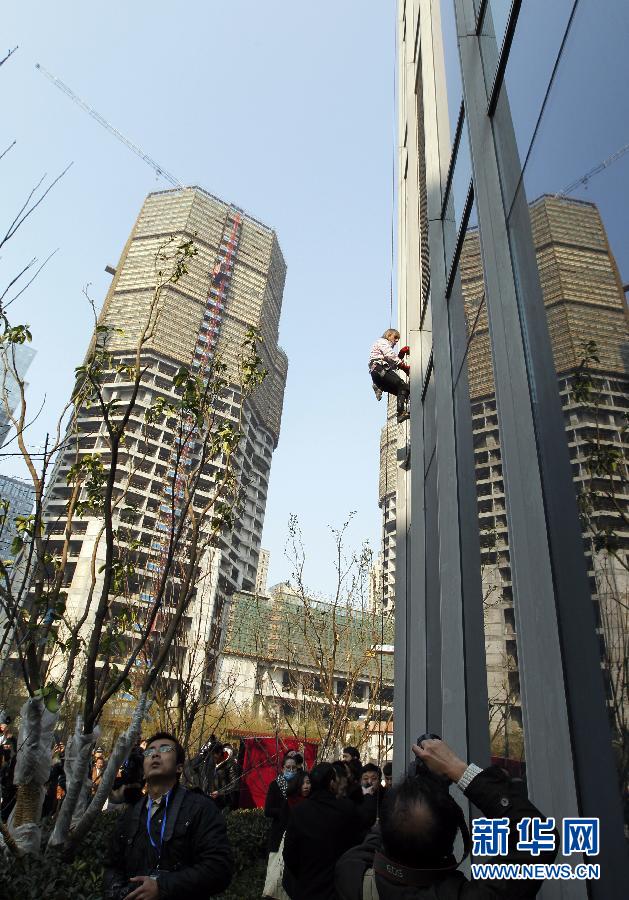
x: 530, y: 275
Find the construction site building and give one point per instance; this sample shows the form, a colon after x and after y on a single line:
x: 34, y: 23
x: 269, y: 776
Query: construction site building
x: 294, y: 662
x: 202, y: 317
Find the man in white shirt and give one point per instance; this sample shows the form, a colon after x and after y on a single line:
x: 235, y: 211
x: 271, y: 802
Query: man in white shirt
x: 384, y: 362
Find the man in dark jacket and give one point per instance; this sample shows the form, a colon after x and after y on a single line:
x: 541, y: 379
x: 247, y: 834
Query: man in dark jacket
x: 172, y: 844
x: 225, y: 780
x: 319, y: 832
x: 372, y: 795
x: 411, y: 856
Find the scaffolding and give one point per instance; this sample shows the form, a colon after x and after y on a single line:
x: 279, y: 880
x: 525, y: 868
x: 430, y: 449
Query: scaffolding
x: 203, y: 357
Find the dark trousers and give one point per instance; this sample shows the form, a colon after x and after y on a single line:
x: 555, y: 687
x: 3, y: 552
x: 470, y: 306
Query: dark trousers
x: 391, y: 383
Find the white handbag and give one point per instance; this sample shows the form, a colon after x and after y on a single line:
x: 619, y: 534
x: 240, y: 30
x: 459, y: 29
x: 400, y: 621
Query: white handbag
x: 274, y: 875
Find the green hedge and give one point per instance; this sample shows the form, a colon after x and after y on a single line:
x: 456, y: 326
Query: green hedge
x: 54, y: 879
x: 247, y: 830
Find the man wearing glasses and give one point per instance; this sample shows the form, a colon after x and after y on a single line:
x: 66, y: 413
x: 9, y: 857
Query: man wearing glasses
x: 172, y: 843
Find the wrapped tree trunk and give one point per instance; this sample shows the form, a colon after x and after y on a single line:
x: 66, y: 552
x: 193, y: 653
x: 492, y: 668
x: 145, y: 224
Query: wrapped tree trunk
x: 78, y: 783
x: 32, y: 770
x: 82, y: 824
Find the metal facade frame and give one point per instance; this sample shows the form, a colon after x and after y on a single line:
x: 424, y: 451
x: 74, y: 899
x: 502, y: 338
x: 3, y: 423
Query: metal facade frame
x: 440, y: 653
x: 440, y: 657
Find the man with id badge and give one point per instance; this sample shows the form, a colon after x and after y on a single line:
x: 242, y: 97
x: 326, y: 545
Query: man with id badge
x: 172, y: 843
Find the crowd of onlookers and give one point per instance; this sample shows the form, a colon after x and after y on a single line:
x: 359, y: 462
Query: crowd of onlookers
x: 55, y: 788
x: 341, y: 831
x: 316, y: 817
x: 212, y: 772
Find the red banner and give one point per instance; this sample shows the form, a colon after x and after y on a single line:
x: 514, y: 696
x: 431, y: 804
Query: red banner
x: 260, y: 761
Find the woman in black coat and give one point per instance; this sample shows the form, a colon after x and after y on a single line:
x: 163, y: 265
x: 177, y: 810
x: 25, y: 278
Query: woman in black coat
x: 319, y: 832
x: 276, y: 803
x: 284, y: 793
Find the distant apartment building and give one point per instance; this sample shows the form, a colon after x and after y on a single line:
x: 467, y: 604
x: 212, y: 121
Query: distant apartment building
x: 20, y: 496
x: 376, y: 585
x: 235, y: 281
x: 21, y: 356
x: 298, y: 663
x: 584, y: 300
x: 263, y: 572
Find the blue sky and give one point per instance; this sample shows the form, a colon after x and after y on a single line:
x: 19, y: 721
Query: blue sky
x: 283, y: 109
x: 286, y: 110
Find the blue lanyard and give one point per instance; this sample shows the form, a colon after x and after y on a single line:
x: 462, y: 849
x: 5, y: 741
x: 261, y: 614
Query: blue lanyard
x: 162, y: 829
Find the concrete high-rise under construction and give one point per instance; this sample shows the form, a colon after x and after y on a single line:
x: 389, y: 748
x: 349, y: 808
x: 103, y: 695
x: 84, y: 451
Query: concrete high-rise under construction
x: 201, y: 315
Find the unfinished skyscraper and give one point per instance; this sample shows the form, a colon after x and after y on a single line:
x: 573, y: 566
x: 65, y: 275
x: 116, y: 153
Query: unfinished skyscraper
x: 263, y: 572
x: 234, y: 282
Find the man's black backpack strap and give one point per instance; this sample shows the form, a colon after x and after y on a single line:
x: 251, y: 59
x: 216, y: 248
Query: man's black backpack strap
x: 132, y: 817
x: 398, y: 874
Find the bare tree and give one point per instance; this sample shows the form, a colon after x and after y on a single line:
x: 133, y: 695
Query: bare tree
x: 186, y: 702
x: 505, y: 732
x: 107, y: 647
x: 503, y: 691
x: 321, y: 670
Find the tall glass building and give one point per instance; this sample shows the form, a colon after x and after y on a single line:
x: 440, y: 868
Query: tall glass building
x: 513, y: 185
x: 584, y: 301
x: 20, y: 497
x: 22, y: 356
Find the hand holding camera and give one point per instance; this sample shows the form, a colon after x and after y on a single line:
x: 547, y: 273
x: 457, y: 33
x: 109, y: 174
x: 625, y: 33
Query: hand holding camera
x: 435, y: 757
x: 141, y: 887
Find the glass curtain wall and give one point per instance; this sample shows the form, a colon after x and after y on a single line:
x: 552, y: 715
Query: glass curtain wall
x: 512, y: 293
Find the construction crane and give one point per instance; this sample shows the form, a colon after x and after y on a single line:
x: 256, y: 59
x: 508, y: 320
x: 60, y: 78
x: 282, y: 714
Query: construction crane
x: 8, y: 56
x: 159, y: 170
x: 594, y: 171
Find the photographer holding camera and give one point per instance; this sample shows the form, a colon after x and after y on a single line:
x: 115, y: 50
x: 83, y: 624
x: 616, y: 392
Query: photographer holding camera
x: 411, y: 854
x: 172, y: 843
x: 129, y: 781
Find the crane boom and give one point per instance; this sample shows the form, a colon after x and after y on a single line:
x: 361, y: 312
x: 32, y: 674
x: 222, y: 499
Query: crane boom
x: 159, y: 170
x: 594, y: 171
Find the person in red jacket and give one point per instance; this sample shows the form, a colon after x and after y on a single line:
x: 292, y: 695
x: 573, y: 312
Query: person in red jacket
x: 384, y: 362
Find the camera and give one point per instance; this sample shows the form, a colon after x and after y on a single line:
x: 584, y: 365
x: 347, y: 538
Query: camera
x: 132, y: 771
x: 123, y: 890
x: 422, y: 770
x: 439, y: 787
x: 128, y: 784
x: 119, y: 890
